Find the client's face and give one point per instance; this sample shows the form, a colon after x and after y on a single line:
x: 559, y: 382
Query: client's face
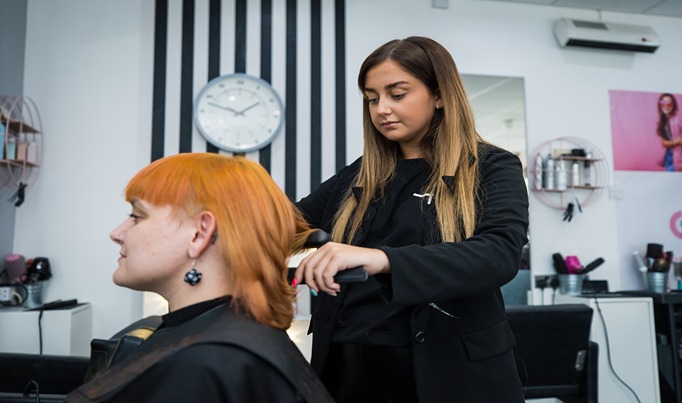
x: 154, y: 243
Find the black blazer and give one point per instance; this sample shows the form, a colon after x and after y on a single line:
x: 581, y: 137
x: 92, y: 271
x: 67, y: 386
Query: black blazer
x: 461, y: 341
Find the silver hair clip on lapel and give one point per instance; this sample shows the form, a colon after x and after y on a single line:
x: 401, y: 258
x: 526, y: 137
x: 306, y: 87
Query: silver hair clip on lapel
x: 427, y: 195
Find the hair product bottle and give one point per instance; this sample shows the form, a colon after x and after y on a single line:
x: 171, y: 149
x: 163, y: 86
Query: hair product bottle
x: 575, y: 174
x: 561, y: 175
x: 2, y: 141
x: 538, y: 172
x: 549, y: 172
x: 31, y: 150
x: 11, y: 148
x: 587, y: 172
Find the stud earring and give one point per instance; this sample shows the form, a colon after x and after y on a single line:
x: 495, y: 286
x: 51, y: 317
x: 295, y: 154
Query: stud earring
x: 193, y: 276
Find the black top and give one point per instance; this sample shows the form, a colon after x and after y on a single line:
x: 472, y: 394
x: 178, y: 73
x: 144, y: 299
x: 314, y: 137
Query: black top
x: 365, y: 317
x: 181, y: 316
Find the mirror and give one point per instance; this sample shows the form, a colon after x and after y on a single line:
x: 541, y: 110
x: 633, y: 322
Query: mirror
x: 500, y: 111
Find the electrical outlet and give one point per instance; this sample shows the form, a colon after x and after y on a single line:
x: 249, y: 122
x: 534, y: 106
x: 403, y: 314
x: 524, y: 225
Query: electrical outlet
x: 5, y: 293
x: 547, y: 280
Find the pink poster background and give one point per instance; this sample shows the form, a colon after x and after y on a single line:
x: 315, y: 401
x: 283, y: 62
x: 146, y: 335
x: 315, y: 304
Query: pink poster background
x: 634, y: 118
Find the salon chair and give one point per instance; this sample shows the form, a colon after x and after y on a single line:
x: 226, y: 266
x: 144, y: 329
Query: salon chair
x: 554, y: 356
x: 22, y: 376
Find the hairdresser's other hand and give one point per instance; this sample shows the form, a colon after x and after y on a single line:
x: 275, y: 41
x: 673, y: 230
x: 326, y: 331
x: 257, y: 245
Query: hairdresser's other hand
x: 320, y: 267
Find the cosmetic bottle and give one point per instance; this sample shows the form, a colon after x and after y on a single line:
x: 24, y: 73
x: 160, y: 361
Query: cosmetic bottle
x: 11, y: 147
x: 31, y: 150
x: 2, y: 141
x: 21, y: 147
x: 575, y: 174
x: 587, y: 171
x: 561, y: 175
x: 538, y: 172
x: 549, y: 172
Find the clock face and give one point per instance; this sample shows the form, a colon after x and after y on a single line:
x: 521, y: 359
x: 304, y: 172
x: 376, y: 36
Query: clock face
x: 238, y: 113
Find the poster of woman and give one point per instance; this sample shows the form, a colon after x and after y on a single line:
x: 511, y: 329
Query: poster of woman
x: 646, y: 131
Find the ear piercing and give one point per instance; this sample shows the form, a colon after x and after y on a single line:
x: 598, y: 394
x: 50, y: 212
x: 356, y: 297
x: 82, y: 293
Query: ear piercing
x: 193, y: 276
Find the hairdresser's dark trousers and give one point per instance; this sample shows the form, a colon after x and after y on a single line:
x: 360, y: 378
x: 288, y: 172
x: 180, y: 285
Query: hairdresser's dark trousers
x: 357, y: 374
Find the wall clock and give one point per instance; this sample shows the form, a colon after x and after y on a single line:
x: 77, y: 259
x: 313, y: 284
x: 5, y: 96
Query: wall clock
x: 238, y: 113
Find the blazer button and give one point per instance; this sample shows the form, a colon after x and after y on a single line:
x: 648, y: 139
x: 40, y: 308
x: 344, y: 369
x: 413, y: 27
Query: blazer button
x: 420, y: 336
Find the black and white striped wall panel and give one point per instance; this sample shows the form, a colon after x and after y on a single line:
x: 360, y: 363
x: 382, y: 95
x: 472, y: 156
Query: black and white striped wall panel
x: 296, y: 45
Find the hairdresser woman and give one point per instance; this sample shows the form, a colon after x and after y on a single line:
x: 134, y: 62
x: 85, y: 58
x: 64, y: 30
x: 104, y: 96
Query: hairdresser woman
x: 210, y: 234
x: 438, y: 218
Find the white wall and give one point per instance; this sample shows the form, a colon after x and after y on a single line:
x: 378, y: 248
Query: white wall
x: 12, y: 45
x: 89, y: 68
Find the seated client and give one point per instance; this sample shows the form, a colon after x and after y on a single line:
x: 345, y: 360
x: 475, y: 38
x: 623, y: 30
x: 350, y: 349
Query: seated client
x: 211, y: 234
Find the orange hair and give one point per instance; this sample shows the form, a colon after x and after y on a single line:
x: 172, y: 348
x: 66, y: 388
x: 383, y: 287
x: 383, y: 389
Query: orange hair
x: 257, y: 225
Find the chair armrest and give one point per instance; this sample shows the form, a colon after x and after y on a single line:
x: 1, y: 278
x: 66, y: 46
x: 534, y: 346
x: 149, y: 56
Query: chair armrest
x: 592, y: 369
x: 55, y: 374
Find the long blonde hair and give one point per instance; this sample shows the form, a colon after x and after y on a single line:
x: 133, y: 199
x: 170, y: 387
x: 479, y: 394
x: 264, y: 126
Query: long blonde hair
x: 450, y: 146
x: 256, y: 224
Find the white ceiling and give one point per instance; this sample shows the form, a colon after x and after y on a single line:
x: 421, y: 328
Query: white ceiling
x: 666, y: 8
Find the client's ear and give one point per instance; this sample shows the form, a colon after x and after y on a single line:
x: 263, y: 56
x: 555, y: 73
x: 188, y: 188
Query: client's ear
x: 205, y: 227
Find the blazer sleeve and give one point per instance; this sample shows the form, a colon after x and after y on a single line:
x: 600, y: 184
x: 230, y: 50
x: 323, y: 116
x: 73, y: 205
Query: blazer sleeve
x: 320, y: 206
x: 486, y: 260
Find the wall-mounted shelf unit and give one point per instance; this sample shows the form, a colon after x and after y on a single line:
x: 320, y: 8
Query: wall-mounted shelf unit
x: 576, y: 171
x: 21, y: 142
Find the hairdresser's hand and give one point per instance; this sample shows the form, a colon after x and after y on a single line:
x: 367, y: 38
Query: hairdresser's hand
x: 319, y: 267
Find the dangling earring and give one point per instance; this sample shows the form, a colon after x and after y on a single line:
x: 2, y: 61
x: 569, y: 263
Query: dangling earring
x: 193, y: 276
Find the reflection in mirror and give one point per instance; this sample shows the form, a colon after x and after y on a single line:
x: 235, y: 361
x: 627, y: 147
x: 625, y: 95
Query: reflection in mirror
x: 500, y: 112
x: 499, y: 108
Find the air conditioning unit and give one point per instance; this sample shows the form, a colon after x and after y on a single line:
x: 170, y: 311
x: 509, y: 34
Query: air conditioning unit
x: 606, y: 35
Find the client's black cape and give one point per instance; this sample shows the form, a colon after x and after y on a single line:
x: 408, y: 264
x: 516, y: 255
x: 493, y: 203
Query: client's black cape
x: 219, y: 326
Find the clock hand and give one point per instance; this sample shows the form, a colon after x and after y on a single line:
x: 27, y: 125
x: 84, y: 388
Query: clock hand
x: 224, y: 107
x: 244, y: 110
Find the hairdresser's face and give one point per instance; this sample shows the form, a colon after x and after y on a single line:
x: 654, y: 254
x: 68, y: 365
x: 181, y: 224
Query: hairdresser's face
x: 666, y: 105
x: 401, y: 106
x: 154, y: 243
